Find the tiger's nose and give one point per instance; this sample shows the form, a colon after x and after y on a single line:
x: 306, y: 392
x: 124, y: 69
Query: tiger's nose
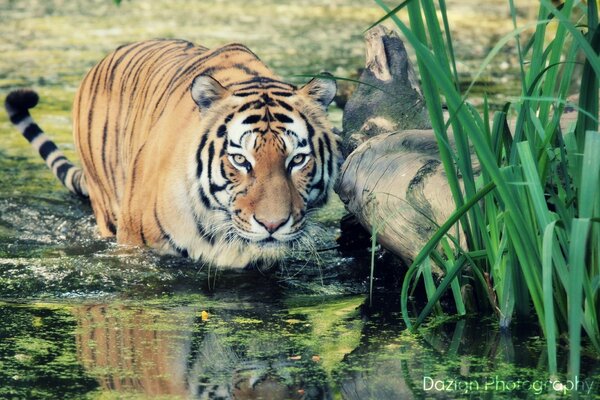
x: 271, y: 225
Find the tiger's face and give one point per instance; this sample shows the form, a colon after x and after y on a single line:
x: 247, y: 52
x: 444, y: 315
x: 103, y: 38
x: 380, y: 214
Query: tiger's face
x: 276, y: 159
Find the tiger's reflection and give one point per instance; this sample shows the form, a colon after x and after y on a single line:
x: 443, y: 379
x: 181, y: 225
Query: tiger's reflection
x: 175, y: 353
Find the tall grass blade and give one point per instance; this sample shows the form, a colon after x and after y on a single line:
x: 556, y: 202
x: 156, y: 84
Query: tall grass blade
x: 577, y: 252
x: 549, y: 322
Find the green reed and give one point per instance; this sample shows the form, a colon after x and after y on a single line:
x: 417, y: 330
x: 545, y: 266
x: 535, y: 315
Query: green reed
x: 531, y: 215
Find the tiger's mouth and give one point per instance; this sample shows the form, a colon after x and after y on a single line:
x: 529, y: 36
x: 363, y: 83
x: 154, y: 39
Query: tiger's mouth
x: 271, y: 241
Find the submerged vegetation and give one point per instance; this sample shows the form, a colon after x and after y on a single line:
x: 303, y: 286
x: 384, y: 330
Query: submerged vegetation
x: 529, y: 203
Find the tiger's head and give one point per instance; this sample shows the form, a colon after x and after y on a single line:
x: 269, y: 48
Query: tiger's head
x: 267, y: 157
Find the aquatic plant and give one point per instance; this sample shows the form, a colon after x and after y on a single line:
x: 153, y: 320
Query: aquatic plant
x: 531, y: 215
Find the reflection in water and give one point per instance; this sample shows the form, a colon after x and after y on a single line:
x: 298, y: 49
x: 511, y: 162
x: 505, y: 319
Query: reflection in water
x: 175, y: 352
x: 468, y: 358
x: 128, y: 350
x: 297, y: 348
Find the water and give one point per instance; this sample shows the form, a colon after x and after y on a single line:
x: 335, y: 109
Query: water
x: 85, y: 318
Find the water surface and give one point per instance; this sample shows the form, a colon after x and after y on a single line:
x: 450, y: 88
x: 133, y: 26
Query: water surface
x: 85, y: 318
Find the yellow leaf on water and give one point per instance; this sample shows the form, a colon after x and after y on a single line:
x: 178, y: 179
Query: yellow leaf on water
x: 37, y: 322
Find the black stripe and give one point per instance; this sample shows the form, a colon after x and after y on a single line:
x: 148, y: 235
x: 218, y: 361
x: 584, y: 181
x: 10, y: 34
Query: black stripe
x: 283, y: 94
x: 285, y: 105
x: 245, y: 94
x: 217, y: 188
x: 199, y: 155
x: 127, y: 49
x: 111, y: 227
x: 321, y: 183
x: 260, y: 80
x: 248, y: 105
x: 252, y: 119
x: 203, y: 58
x: 204, y: 199
x: 77, y: 178
x: 245, y: 68
x: 182, y: 251
x: 103, y: 148
x: 31, y: 132
x: 91, y: 93
x: 321, y: 150
x: 143, y: 236
x: 222, y: 131
x: 283, y: 86
x: 311, y: 132
x: 283, y: 118
x: 62, y: 171
x: 330, y: 159
x: 268, y: 117
x: 57, y: 160
x: 19, y: 116
x: 309, y: 127
x: 224, y: 174
x: 211, y: 156
x: 47, y: 148
x: 204, y: 234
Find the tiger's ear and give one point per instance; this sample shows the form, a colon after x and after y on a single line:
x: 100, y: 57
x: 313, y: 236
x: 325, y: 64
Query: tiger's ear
x: 322, y: 89
x: 206, y: 90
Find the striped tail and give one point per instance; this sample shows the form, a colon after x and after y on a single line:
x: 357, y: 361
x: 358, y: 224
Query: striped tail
x: 17, y: 105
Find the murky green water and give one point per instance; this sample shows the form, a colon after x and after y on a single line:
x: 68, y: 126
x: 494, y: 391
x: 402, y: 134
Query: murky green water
x: 83, y: 318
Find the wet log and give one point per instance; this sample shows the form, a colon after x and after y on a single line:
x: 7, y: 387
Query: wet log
x: 392, y: 180
x: 395, y: 185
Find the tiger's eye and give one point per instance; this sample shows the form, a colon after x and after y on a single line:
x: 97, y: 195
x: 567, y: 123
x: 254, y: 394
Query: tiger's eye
x: 298, y: 159
x: 239, y: 159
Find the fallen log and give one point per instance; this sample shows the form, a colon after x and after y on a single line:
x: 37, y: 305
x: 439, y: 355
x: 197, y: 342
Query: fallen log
x: 392, y: 180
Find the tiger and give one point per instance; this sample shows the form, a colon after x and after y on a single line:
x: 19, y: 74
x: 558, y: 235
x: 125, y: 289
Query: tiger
x: 197, y: 152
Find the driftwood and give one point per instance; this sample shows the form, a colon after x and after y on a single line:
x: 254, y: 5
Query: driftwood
x: 393, y: 180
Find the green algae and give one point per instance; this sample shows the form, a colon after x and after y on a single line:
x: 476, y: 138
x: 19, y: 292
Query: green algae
x: 125, y: 349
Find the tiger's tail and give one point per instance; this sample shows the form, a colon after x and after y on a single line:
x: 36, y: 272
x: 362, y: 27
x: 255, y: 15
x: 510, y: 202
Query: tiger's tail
x: 17, y: 105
